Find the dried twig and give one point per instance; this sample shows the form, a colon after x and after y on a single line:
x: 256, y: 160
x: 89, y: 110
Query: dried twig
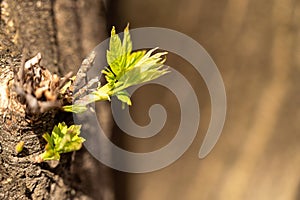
x: 81, y: 75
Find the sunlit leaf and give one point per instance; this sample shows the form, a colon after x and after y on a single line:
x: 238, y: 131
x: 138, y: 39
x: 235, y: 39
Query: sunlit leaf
x: 124, y: 97
x: 74, y: 108
x: 63, y: 139
x: 126, y: 68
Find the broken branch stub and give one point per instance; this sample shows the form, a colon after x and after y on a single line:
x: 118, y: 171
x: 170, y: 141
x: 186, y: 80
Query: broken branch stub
x: 38, y: 88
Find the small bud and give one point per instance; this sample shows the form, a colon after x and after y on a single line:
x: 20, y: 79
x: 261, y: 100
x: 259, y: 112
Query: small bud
x: 19, y: 147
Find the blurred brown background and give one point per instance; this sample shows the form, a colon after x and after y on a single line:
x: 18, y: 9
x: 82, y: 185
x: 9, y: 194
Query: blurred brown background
x: 256, y: 45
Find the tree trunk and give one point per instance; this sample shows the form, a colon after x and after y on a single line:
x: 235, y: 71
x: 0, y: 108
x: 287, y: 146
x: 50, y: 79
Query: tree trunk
x: 62, y: 32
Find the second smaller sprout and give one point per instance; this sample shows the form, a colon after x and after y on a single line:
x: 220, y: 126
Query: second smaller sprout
x: 63, y: 139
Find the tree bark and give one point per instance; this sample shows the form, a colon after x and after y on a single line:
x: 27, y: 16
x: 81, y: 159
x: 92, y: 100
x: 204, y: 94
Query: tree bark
x: 62, y: 32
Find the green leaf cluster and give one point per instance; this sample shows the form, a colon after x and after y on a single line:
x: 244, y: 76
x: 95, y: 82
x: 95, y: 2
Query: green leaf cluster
x: 126, y: 68
x: 63, y: 139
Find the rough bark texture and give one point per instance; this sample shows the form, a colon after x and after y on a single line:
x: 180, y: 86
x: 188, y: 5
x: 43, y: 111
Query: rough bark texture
x: 32, y: 25
x: 21, y: 177
x: 60, y: 31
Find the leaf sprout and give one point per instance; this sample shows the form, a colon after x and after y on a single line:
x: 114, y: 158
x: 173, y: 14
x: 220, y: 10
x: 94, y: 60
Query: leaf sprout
x: 126, y: 69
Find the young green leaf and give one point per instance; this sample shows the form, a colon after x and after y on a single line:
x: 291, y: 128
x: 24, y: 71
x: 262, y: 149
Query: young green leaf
x: 76, y: 108
x: 126, y: 68
x: 63, y: 139
x: 124, y: 97
x: 146, y: 69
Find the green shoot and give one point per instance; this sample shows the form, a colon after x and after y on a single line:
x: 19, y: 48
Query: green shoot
x: 63, y: 139
x: 126, y: 68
